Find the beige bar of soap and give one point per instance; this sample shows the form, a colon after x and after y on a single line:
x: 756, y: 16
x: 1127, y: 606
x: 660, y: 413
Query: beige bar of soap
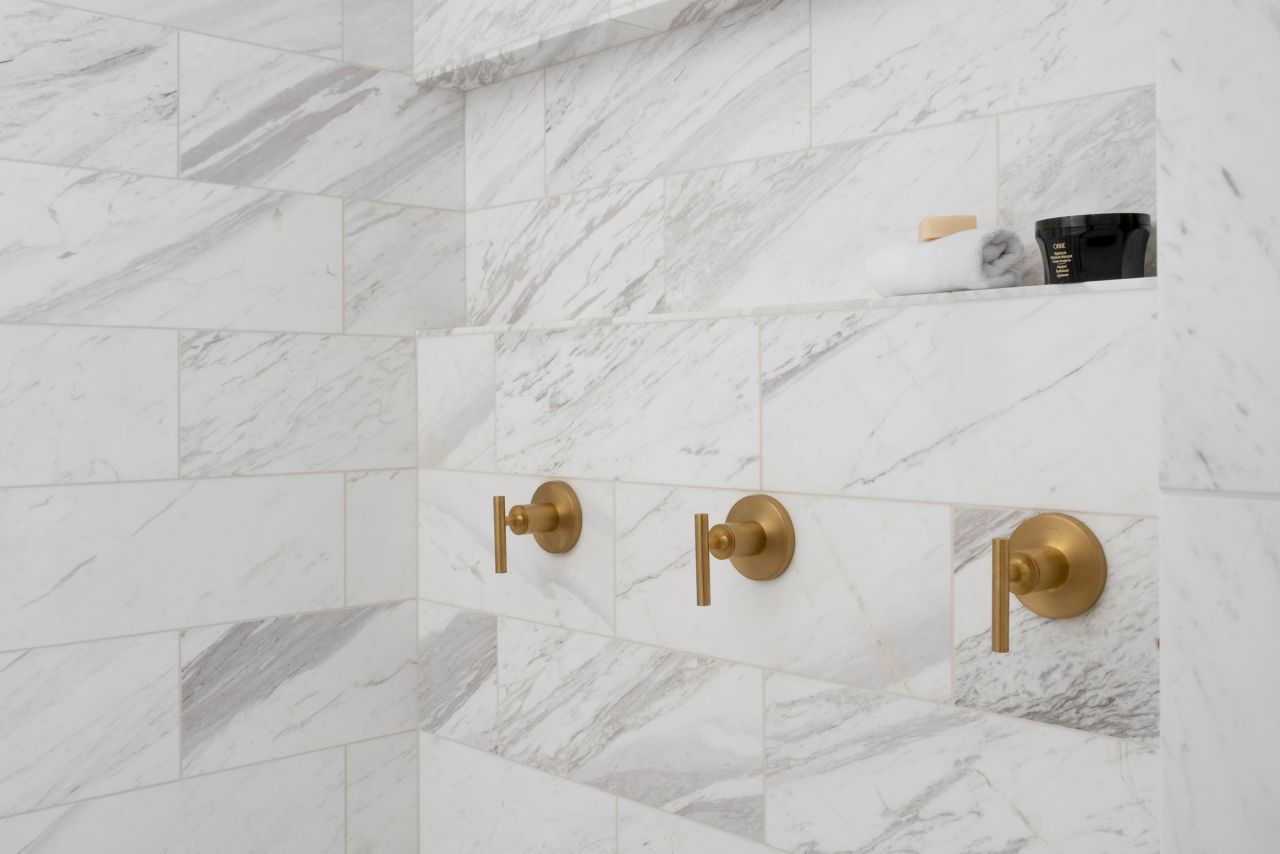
x: 933, y: 227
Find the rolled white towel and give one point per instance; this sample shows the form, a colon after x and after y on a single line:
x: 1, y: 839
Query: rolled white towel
x: 964, y: 261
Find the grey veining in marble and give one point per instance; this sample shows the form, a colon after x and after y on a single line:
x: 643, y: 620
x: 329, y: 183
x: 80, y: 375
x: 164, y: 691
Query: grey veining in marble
x: 382, y: 536
x: 728, y: 89
x: 506, y: 123
x: 456, y: 402
x: 595, y: 253
x: 252, y: 115
x: 666, y: 729
x: 378, y: 33
x: 270, y: 688
x: 85, y: 90
x: 120, y: 250
x: 649, y: 831
x: 382, y: 795
x: 1096, y: 672
x: 257, y: 404
x: 458, y: 674
x: 669, y: 14
x: 850, y: 771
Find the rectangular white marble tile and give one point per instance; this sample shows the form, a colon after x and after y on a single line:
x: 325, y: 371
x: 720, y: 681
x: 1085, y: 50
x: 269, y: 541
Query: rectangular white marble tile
x: 1044, y: 401
x: 668, y: 402
x: 728, y: 89
x: 85, y: 90
x: 144, y: 557
x: 252, y: 115
x: 573, y: 589
x: 121, y: 250
x: 293, y: 806
x: 87, y: 404
x: 506, y: 161
x: 886, y: 65
x: 1219, y: 183
x: 666, y: 729
x: 456, y: 402
x: 1219, y: 594
x: 855, y: 771
x: 472, y: 801
x: 382, y: 795
x: 1097, y: 672
x: 798, y: 228
x: 378, y: 33
x: 271, y: 688
x: 592, y: 254
x: 1092, y: 156
x: 382, y: 536
x: 308, y: 26
x: 458, y: 674
x: 866, y: 600
x: 85, y: 720
x: 259, y: 404
x: 669, y: 14
x: 642, y: 830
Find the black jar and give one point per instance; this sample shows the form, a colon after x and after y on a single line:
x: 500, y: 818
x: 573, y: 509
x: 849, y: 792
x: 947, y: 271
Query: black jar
x: 1093, y: 247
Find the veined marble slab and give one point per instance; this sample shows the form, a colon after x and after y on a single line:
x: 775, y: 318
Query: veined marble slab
x: 382, y: 536
x: 573, y: 589
x: 887, y: 65
x: 1025, y: 402
x: 86, y: 720
x: 457, y: 402
x: 732, y: 88
x: 146, y: 557
x: 850, y: 771
x: 265, y: 689
x: 382, y: 795
x: 85, y: 90
x: 256, y: 116
x: 458, y: 674
x: 594, y: 253
x: 668, y: 403
x: 378, y: 33
x: 867, y: 599
x: 258, y: 404
x: 799, y: 227
x: 293, y: 806
x: 506, y: 158
x: 472, y: 801
x: 668, y: 14
x: 87, y: 404
x: 648, y: 831
x: 110, y: 249
x: 1096, y: 672
x: 666, y: 729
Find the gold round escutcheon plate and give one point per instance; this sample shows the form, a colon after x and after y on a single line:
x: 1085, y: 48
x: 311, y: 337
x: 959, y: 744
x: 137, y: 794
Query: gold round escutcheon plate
x: 1086, y: 561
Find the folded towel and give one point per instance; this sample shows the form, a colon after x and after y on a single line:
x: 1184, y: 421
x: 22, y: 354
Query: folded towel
x: 965, y: 261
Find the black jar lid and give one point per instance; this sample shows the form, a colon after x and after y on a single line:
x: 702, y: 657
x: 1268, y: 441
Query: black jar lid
x: 1084, y: 220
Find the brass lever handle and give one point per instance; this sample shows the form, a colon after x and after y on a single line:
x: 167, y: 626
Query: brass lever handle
x: 1000, y: 595
x: 702, y: 558
x: 500, y: 534
x: 757, y: 537
x: 554, y: 517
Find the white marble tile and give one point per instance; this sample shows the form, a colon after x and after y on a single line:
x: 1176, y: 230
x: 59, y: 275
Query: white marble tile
x: 87, y: 405
x: 259, y: 404
x: 573, y: 589
x: 474, y: 802
x: 456, y: 402
x: 668, y: 402
x: 1219, y: 593
x: 293, y: 806
x: 592, y: 254
x: 1218, y: 189
x: 867, y: 599
x: 1097, y: 672
x: 382, y: 795
x: 798, y: 228
x: 1092, y: 156
x: 378, y: 33
x: 642, y: 830
x: 252, y: 115
x: 84, y: 90
x: 458, y: 674
x: 382, y: 536
x: 86, y: 720
x: 405, y: 269
x: 110, y: 249
x: 1036, y: 402
x: 506, y: 161
x: 271, y: 688
x: 728, y: 89
x: 886, y: 65
x: 669, y: 14
x: 666, y: 729
x: 146, y: 557
x: 854, y: 771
